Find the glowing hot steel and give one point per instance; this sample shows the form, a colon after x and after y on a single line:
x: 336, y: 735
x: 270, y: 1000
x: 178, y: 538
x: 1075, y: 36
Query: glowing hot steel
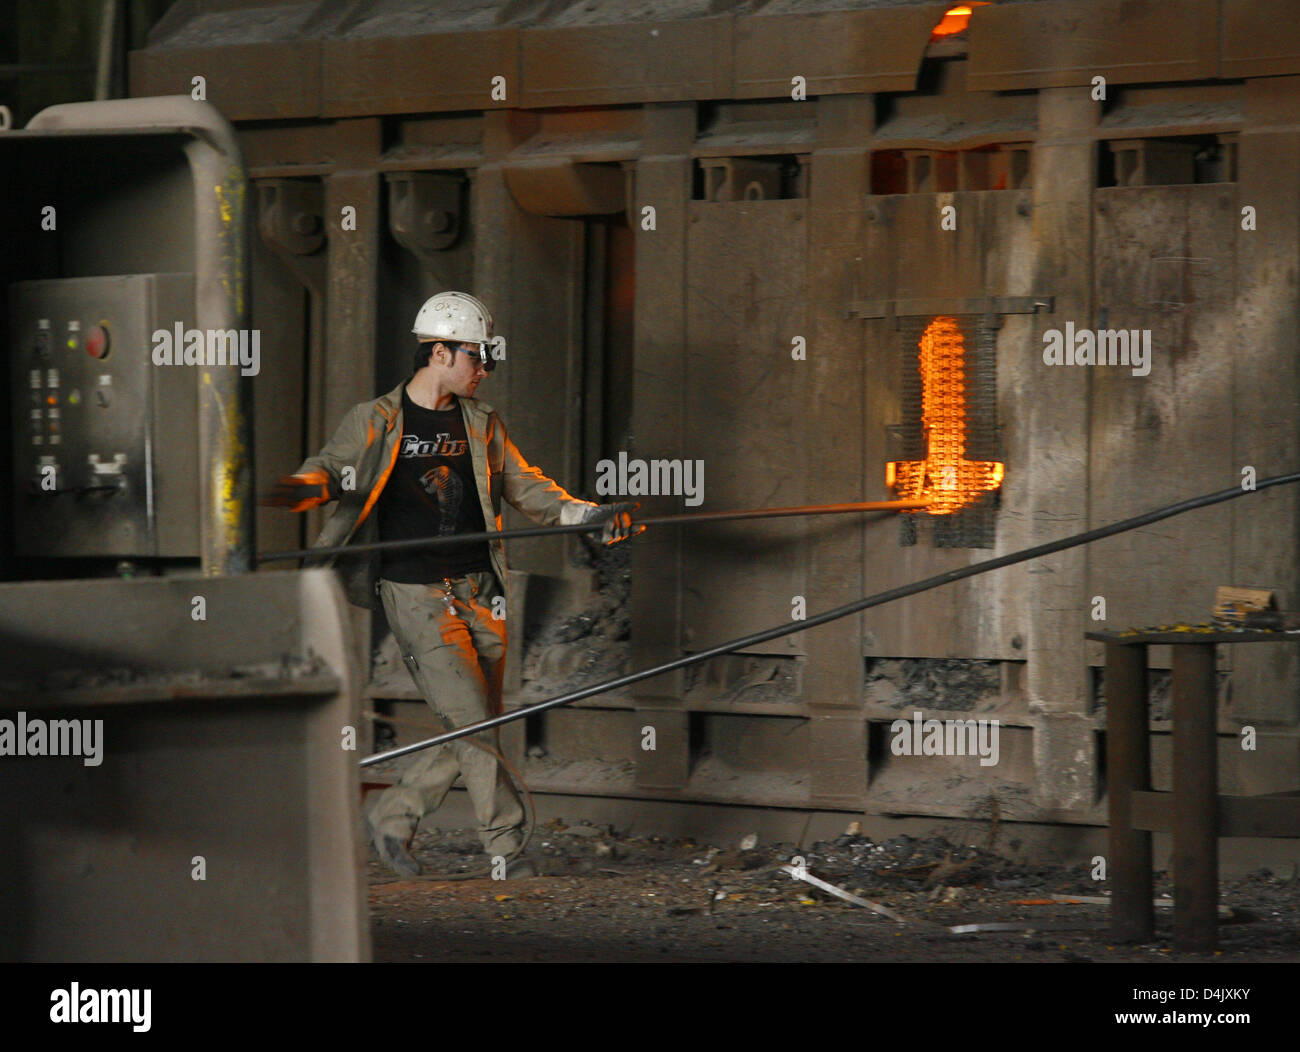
x: 955, y: 20
x: 945, y: 477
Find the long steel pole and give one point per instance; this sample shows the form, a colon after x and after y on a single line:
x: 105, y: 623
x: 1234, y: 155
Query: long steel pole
x: 595, y: 527
x: 878, y: 599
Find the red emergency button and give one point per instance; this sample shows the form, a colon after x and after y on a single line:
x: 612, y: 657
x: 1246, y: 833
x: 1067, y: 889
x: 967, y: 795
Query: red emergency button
x: 97, y: 342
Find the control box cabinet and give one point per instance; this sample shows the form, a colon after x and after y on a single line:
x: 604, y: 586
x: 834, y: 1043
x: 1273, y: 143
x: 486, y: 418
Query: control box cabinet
x: 106, y: 442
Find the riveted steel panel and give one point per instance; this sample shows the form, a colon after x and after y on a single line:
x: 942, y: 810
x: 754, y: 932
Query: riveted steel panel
x: 1261, y: 38
x: 1062, y: 43
x: 411, y: 74
x: 745, y: 303
x: 246, y: 82
x: 645, y: 62
x: 835, y: 51
x: 1165, y: 264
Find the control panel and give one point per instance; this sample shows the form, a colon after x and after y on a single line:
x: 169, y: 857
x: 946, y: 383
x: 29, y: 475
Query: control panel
x: 106, y: 442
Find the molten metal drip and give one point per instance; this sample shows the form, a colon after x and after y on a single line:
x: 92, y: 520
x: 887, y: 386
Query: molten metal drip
x: 945, y: 477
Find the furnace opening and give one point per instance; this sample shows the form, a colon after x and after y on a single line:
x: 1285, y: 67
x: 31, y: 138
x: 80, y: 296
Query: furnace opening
x: 956, y: 20
x: 949, y: 429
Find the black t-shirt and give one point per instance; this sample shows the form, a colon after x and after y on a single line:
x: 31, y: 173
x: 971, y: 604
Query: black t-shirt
x: 431, y: 492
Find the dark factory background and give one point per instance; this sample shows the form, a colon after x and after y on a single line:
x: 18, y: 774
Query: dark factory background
x: 714, y: 231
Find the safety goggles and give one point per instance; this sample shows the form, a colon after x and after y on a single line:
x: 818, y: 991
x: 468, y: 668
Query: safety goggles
x: 479, y: 351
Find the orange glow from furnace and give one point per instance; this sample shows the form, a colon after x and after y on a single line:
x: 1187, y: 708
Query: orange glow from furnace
x: 956, y: 19
x: 945, y: 477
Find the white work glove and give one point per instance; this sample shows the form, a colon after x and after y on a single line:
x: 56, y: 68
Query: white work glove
x: 617, y: 519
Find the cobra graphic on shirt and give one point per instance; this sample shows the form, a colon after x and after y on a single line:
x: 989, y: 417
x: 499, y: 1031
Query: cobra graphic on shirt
x: 446, y: 487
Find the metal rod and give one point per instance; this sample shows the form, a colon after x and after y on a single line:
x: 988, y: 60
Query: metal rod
x: 1050, y: 548
x: 593, y: 527
x: 107, y: 42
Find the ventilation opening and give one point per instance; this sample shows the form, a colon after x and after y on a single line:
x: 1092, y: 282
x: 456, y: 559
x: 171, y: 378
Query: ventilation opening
x: 1004, y: 166
x: 780, y: 177
x: 1181, y: 160
x: 535, y: 732
x: 697, y: 740
x: 958, y: 684
x: 878, y: 735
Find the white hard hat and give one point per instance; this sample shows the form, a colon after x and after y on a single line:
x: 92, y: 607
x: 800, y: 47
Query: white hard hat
x: 453, y: 316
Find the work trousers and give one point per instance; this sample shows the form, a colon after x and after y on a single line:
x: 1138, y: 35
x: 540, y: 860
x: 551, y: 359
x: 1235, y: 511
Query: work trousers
x: 455, y: 651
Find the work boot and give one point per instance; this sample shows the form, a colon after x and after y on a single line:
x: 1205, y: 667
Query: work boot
x: 521, y: 868
x: 393, y: 852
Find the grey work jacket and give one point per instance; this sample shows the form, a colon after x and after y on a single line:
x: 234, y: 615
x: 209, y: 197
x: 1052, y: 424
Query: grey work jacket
x: 367, y: 441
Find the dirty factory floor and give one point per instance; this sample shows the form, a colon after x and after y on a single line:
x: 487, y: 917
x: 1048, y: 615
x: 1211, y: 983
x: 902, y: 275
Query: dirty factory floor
x: 606, y: 897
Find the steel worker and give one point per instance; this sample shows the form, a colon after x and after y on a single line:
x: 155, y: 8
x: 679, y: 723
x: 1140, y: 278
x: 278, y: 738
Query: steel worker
x: 429, y: 459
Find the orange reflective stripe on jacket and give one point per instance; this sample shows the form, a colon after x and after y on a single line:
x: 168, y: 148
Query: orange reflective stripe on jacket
x: 383, y: 479
x: 313, y: 478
